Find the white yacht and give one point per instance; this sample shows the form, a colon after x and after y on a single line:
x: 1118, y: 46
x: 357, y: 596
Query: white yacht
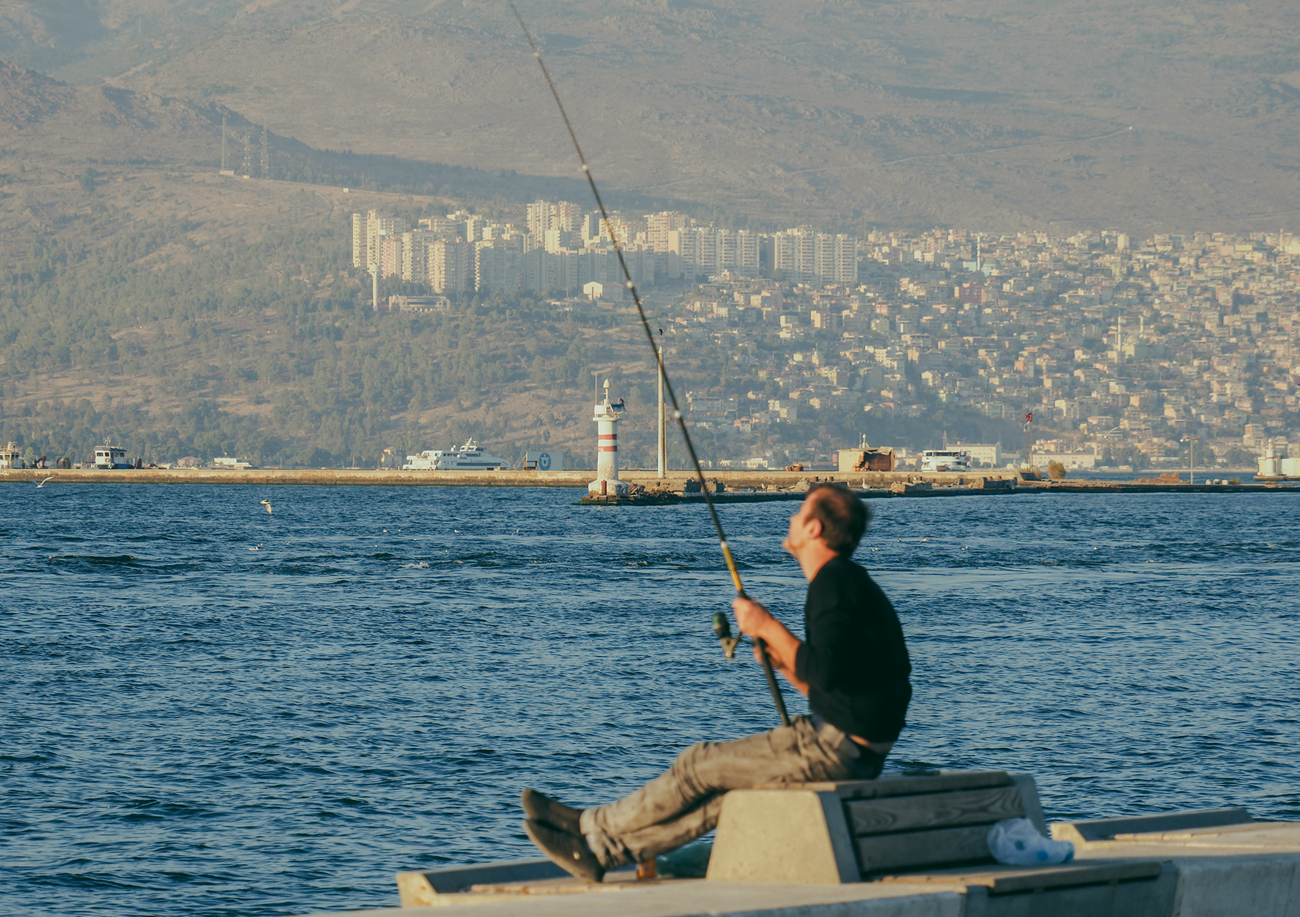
x: 945, y: 460
x: 469, y: 457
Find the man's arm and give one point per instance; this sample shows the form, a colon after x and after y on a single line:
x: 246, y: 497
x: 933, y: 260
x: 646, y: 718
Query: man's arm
x: 782, y: 646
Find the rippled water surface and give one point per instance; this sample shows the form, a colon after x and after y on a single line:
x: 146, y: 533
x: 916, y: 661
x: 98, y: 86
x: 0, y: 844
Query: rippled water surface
x: 206, y: 709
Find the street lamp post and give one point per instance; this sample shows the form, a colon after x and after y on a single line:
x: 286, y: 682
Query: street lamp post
x: 1191, y: 457
x: 662, y: 446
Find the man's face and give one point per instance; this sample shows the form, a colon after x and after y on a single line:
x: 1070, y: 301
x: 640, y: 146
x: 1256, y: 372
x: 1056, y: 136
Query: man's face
x: 803, y: 528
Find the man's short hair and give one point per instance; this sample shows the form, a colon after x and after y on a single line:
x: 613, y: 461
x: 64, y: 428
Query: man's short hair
x: 843, y: 516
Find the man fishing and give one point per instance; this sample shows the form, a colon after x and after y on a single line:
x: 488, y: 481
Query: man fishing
x: 852, y: 665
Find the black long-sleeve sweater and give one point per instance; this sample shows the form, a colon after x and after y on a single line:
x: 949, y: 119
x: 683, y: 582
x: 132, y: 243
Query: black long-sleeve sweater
x: 853, y: 657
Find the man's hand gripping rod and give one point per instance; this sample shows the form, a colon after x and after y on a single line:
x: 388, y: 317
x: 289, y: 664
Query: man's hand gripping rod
x: 724, y: 630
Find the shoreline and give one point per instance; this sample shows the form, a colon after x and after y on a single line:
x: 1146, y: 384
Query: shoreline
x: 737, y: 486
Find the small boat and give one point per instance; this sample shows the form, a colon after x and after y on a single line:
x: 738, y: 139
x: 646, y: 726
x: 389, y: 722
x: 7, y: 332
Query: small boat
x: 110, y: 456
x: 11, y: 457
x: 469, y: 457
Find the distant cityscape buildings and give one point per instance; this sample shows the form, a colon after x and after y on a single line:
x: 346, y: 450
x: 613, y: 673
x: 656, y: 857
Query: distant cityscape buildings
x: 1126, y: 349
x: 563, y: 248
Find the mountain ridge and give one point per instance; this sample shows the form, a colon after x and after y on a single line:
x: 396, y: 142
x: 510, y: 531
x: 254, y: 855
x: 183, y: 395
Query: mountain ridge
x: 995, y: 116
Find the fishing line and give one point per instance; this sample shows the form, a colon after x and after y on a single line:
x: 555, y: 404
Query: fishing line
x: 720, y: 625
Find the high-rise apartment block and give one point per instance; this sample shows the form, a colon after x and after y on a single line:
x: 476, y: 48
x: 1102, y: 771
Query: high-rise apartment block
x: 708, y: 250
x: 370, y: 229
x: 566, y: 248
x: 415, y: 255
x: 451, y: 267
x: 806, y: 256
x: 498, y: 265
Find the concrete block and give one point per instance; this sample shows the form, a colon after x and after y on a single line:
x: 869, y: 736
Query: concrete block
x: 1238, y: 885
x: 792, y: 837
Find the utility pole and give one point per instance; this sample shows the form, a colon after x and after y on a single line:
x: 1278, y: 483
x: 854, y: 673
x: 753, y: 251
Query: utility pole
x: 663, y: 445
x: 1191, y: 457
x: 224, y: 167
x: 266, y: 154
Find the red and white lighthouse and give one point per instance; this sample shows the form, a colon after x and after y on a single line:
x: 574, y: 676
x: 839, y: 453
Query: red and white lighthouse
x: 607, y: 418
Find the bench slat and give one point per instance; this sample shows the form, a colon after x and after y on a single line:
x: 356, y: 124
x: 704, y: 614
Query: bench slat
x: 889, y: 852
x: 904, y: 786
x: 1009, y: 880
x: 934, y: 810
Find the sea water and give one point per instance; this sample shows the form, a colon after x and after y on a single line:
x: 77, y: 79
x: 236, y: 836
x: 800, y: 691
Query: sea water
x: 209, y: 709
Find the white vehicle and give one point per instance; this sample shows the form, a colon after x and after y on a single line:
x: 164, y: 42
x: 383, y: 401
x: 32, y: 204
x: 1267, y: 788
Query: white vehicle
x: 945, y: 460
x: 469, y: 457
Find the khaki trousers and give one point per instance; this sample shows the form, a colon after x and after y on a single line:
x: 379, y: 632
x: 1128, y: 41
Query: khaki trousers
x: 683, y: 803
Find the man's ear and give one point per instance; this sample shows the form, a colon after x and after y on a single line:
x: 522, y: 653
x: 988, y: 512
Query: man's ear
x: 815, y: 527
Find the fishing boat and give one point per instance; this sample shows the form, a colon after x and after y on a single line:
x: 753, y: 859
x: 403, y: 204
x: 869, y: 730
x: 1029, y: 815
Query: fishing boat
x: 11, y: 457
x: 469, y: 457
x: 110, y: 456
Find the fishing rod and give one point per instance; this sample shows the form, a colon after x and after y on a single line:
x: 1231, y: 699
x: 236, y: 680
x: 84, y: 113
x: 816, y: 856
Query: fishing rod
x: 721, y: 626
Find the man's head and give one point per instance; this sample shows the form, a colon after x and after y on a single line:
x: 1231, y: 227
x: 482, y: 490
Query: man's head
x: 830, y: 516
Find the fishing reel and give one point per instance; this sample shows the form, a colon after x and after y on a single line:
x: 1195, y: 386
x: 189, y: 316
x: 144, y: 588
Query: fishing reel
x: 722, y: 627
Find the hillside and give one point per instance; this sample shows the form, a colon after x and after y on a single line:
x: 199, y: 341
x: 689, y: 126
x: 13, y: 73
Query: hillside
x: 995, y: 116
x: 182, y: 312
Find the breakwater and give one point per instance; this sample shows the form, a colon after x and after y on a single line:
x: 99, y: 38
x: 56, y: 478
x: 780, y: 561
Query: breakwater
x: 735, y: 485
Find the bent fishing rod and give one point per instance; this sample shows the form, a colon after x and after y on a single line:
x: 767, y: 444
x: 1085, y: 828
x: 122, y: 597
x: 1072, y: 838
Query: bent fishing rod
x: 721, y: 626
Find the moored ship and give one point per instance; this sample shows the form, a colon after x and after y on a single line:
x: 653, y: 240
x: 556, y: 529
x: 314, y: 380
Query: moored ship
x: 945, y: 460
x: 469, y: 457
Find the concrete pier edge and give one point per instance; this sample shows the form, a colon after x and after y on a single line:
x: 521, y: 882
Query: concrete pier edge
x: 738, y: 486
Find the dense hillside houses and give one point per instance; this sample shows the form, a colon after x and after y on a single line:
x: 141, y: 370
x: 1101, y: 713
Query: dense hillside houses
x: 1125, y: 351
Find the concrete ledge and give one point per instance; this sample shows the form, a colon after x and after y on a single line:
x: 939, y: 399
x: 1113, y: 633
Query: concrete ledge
x: 419, y: 888
x: 1104, y: 829
x: 701, y: 898
x: 1268, y: 886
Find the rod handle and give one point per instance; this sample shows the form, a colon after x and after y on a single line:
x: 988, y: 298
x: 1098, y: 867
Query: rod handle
x: 777, y: 697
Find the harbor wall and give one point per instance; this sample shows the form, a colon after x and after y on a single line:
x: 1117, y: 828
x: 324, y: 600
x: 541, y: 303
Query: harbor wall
x: 790, y: 482
x: 675, y: 481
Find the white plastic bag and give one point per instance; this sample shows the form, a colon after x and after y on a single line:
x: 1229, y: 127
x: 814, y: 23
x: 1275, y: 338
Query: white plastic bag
x: 1016, y: 842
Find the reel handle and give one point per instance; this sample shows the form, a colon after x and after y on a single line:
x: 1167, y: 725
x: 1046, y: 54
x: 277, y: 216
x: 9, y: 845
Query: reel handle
x: 722, y: 627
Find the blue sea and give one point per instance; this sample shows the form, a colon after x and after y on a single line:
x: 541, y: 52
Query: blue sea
x: 210, y: 710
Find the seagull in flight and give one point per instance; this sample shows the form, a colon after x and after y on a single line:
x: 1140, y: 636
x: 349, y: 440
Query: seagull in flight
x: 40, y: 484
x: 267, y: 504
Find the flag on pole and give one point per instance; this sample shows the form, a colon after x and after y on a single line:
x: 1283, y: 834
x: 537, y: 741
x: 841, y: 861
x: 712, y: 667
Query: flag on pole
x: 1029, y: 418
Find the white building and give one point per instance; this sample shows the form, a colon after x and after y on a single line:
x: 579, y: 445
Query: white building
x: 982, y: 453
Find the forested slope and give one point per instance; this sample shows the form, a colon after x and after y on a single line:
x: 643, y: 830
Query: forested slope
x: 270, y: 350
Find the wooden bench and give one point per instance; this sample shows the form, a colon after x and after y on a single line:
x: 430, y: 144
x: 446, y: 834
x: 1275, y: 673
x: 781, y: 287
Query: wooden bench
x: 843, y: 832
x: 927, y: 830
